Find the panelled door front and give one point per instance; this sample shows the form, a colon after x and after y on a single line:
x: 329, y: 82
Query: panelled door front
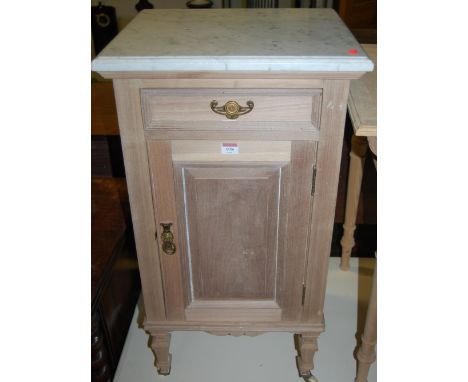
x: 233, y: 227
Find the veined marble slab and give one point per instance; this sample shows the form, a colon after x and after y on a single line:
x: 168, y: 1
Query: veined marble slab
x: 234, y: 40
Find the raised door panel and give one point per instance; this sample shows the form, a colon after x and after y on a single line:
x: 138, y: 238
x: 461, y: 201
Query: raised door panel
x: 232, y: 217
x: 230, y: 213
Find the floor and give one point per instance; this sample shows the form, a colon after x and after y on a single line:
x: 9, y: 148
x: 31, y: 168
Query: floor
x: 201, y: 357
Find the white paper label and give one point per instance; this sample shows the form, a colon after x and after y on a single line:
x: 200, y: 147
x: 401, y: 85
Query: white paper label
x: 229, y: 148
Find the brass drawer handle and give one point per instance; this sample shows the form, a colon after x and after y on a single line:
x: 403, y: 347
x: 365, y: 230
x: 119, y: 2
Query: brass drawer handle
x: 167, y: 238
x: 232, y: 109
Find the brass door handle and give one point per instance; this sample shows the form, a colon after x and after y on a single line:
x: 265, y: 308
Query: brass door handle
x: 232, y: 109
x: 167, y: 238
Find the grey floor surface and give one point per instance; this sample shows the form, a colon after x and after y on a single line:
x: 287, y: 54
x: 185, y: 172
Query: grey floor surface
x: 201, y: 357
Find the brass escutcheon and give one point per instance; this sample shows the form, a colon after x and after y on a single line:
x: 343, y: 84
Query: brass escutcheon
x: 167, y: 239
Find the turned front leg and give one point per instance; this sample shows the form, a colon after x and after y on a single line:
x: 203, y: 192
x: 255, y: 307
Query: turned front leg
x: 307, y: 348
x: 366, y: 353
x: 357, y: 158
x: 160, y: 342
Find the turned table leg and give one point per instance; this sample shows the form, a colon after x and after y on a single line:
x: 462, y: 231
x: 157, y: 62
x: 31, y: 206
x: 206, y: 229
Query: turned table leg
x: 357, y: 157
x: 160, y: 342
x: 307, y: 348
x: 366, y: 353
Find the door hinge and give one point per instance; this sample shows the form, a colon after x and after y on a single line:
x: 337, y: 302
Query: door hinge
x: 303, y: 294
x: 314, y: 175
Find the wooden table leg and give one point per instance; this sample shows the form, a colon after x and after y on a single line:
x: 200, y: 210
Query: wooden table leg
x: 357, y: 157
x: 366, y: 352
x: 160, y: 342
x: 307, y: 348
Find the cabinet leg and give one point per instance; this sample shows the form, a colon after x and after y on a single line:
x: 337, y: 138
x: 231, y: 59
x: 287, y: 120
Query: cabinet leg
x: 357, y: 158
x: 366, y: 352
x: 307, y: 348
x: 160, y: 342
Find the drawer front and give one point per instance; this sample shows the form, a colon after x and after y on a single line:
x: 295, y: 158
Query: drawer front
x: 287, y: 110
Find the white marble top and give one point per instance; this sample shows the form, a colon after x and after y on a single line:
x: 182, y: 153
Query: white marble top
x: 234, y: 39
x: 362, y: 101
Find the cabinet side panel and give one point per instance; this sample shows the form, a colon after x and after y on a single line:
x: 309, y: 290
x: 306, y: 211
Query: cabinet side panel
x: 335, y: 95
x: 295, y: 215
x: 127, y: 99
x: 162, y: 177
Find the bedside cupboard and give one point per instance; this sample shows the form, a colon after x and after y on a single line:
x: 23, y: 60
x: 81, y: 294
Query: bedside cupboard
x: 231, y: 124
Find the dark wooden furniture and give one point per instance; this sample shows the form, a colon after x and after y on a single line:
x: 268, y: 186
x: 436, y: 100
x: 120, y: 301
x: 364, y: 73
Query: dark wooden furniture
x: 262, y: 3
x: 115, y: 281
x: 199, y: 4
x: 361, y: 18
x: 106, y: 149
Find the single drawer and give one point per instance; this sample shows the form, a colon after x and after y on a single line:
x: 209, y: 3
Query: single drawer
x: 261, y: 110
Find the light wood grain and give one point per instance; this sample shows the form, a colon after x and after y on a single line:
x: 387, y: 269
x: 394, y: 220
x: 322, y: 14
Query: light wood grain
x: 139, y: 190
x: 240, y: 326
x: 307, y: 348
x: 362, y: 107
x: 198, y: 134
x: 335, y: 94
x: 251, y: 231
x: 233, y: 304
x: 274, y: 109
x: 242, y: 264
x: 233, y: 314
x: 233, y: 214
x: 160, y: 342
x: 366, y: 352
x: 357, y: 158
x: 366, y: 355
x: 235, y: 333
x: 291, y: 225
x: 210, y: 151
x: 294, y: 228
x: 159, y: 153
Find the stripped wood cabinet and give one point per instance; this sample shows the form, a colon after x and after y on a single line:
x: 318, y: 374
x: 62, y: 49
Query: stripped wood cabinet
x: 232, y: 178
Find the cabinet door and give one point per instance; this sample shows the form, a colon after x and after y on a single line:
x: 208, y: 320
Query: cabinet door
x: 240, y: 225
